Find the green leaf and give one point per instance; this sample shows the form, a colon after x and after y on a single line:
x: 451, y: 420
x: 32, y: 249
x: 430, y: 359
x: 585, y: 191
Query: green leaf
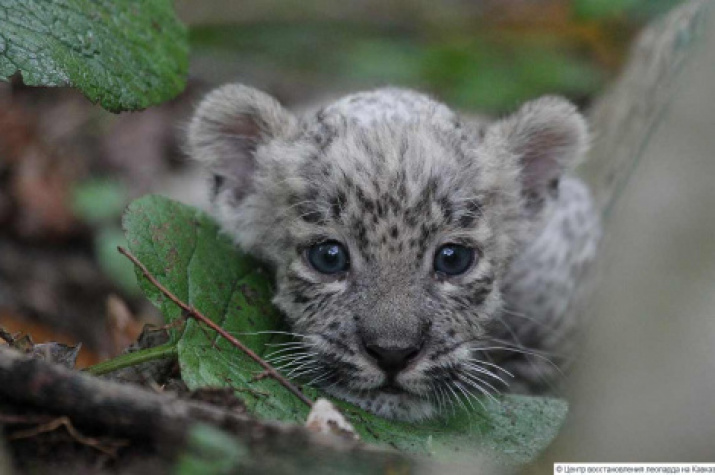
x: 125, y: 55
x: 184, y: 249
x: 509, y: 430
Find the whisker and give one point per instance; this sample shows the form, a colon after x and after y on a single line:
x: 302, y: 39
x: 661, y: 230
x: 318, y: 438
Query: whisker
x: 493, y: 365
x: 434, y: 396
x: 472, y: 378
x: 289, y: 344
x: 456, y: 399
x: 534, y: 351
x: 475, y: 367
x: 320, y: 378
x: 480, y: 388
x: 468, y: 396
x: 282, y: 362
x: 288, y: 356
x: 303, y: 365
x: 517, y: 350
x: 285, y: 352
x: 302, y: 373
x: 287, y: 365
x: 536, y: 368
x: 277, y: 332
x: 524, y: 316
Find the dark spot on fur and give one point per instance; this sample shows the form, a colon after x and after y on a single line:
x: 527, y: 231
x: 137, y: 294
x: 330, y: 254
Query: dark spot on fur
x: 446, y: 207
x: 312, y: 217
x: 293, y: 199
x: 218, y: 182
x: 472, y: 211
x: 336, y: 205
x: 486, y: 280
x: 479, y: 295
x: 394, y: 232
x: 401, y: 186
x: 411, y: 217
x: 554, y: 186
x: 339, y: 344
x: 466, y: 221
x: 380, y: 207
x: 361, y: 236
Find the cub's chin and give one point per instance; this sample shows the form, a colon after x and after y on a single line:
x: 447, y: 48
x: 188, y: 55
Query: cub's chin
x: 388, y: 403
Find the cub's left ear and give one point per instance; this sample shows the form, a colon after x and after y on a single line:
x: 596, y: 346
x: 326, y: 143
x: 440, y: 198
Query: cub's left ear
x: 547, y: 137
x: 228, y: 128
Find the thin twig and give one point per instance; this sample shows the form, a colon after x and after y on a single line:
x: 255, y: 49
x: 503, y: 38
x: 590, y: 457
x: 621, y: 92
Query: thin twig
x: 108, y: 447
x: 191, y: 312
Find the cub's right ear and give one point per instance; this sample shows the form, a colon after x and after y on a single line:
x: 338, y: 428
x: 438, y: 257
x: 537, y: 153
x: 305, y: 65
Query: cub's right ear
x: 229, y: 125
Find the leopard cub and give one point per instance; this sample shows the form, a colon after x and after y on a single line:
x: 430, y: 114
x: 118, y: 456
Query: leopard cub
x: 416, y: 254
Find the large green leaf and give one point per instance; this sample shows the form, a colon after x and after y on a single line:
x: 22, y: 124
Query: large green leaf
x: 184, y: 249
x: 126, y: 55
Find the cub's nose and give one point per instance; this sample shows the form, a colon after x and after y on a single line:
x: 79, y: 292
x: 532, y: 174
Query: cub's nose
x: 390, y: 359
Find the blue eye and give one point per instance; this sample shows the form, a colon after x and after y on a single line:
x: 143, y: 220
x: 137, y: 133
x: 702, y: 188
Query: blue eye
x: 329, y: 257
x: 453, y: 259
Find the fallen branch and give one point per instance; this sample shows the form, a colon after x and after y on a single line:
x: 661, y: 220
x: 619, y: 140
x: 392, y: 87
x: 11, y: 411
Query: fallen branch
x: 127, y: 409
x: 138, y: 415
x: 190, y: 312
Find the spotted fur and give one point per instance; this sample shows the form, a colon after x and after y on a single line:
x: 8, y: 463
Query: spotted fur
x: 393, y: 174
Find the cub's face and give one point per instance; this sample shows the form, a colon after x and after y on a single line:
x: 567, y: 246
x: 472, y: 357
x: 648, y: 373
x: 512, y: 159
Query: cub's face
x: 390, y: 226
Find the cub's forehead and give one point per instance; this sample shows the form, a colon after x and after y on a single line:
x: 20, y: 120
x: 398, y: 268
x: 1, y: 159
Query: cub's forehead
x: 392, y: 105
x: 387, y: 135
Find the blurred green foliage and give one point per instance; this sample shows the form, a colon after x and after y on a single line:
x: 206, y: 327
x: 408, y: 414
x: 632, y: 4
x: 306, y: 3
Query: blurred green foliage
x: 636, y: 10
x: 480, y: 72
x: 100, y: 202
x: 481, y: 64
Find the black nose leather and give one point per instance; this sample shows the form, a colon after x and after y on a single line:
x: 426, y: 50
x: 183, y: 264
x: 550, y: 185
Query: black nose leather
x: 392, y: 360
